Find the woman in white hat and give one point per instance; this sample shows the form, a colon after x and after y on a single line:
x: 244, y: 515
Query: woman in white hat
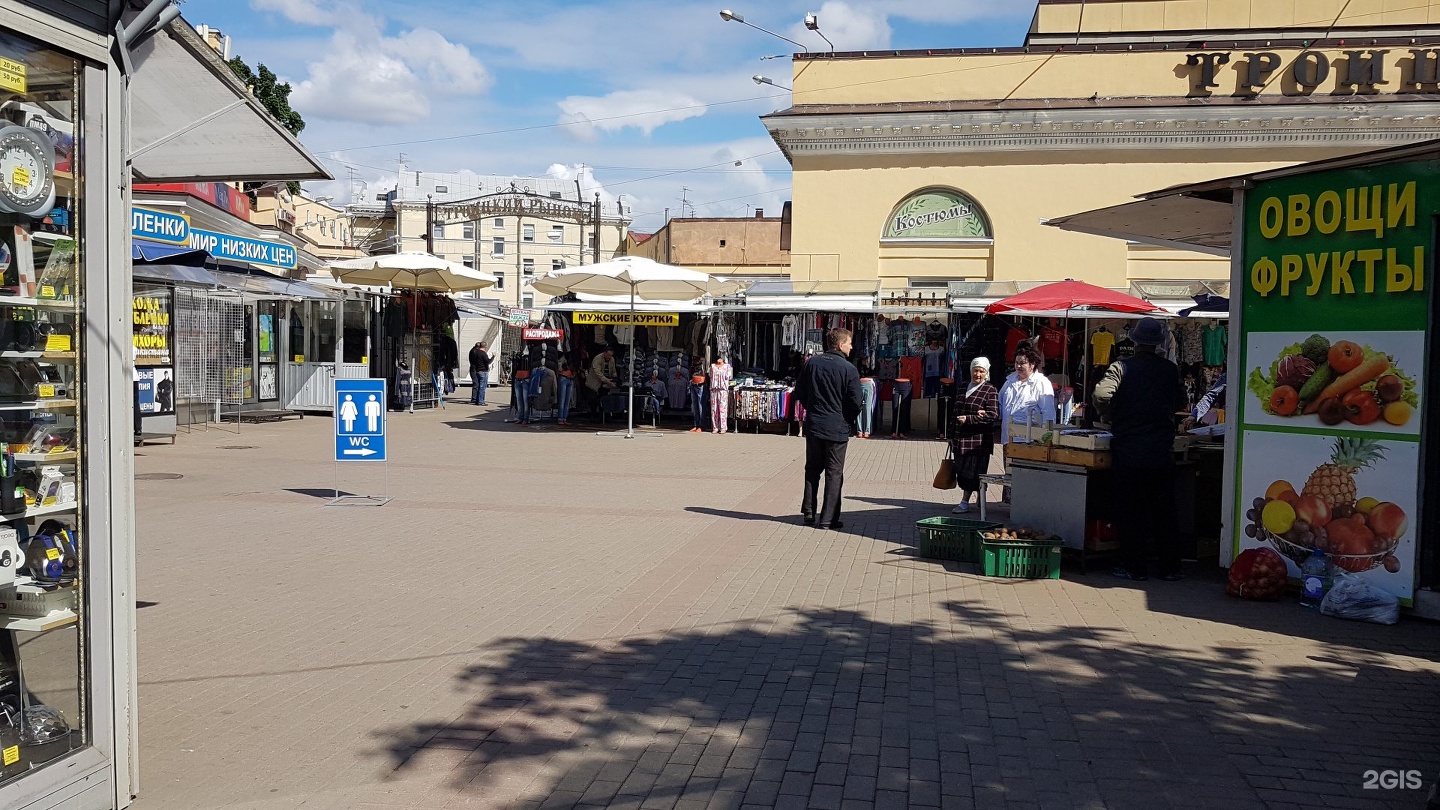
x: 975, y: 416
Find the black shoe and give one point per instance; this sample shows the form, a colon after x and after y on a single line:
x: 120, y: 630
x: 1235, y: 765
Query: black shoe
x: 1125, y: 573
x: 808, y: 517
x: 835, y: 526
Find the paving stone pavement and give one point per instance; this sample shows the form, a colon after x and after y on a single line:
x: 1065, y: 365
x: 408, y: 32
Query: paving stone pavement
x: 547, y: 618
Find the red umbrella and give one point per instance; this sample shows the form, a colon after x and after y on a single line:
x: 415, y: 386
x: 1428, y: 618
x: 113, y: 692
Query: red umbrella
x: 1063, y: 295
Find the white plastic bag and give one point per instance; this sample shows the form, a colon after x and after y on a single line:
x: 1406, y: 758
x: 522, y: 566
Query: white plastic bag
x: 1353, y: 598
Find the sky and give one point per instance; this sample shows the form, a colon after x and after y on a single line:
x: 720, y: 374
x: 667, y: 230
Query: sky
x: 646, y: 101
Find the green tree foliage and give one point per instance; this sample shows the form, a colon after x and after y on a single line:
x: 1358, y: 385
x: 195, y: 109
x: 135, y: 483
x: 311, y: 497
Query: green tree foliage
x: 271, y: 92
x: 275, y: 95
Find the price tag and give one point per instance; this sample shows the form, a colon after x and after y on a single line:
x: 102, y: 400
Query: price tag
x: 20, y: 177
x: 47, y: 291
x: 57, y: 343
x: 299, y: 358
x: 11, y: 755
x: 52, y: 553
x: 12, y: 78
x: 46, y: 391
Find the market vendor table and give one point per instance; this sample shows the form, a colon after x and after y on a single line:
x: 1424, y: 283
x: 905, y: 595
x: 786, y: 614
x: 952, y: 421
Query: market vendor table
x: 1063, y: 499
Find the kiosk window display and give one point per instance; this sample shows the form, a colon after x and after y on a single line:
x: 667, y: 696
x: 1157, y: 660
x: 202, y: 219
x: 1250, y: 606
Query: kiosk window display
x: 43, y: 548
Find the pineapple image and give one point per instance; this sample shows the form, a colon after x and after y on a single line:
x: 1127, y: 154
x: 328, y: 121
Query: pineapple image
x: 1334, y: 483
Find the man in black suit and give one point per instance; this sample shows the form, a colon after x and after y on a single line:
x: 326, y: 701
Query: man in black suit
x: 829, y: 388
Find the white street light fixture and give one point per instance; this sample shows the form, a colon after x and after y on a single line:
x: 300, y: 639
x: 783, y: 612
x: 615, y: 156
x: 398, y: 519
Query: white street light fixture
x: 758, y: 79
x: 729, y: 16
x: 812, y: 21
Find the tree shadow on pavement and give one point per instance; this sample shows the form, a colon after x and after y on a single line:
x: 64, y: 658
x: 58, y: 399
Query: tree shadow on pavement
x: 970, y: 707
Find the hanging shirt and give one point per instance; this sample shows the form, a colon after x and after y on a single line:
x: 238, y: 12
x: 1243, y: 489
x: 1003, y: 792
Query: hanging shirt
x: 1192, y: 345
x: 1012, y: 341
x: 790, y: 330
x: 1052, y: 342
x: 1217, y: 340
x: 1125, y: 347
x: 935, y: 363
x: 1100, y: 345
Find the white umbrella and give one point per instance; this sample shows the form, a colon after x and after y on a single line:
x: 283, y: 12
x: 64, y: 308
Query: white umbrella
x: 412, y: 270
x: 636, y: 277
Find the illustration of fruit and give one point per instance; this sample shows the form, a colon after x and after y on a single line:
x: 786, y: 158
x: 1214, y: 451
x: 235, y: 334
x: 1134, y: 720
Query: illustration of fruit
x: 1361, y: 407
x: 1398, y: 413
x: 1285, y: 400
x: 1294, y: 370
x: 1277, y: 517
x: 1334, y: 482
x: 1345, y: 355
x: 1388, y: 521
x: 1273, y: 491
x: 1366, y: 504
x: 1313, y: 511
x: 1351, y: 540
x: 1331, y: 411
x: 1389, y: 388
x: 1289, y: 496
x: 1392, y: 563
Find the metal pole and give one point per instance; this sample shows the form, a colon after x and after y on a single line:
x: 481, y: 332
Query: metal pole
x: 630, y: 430
x: 595, y: 208
x: 429, y: 224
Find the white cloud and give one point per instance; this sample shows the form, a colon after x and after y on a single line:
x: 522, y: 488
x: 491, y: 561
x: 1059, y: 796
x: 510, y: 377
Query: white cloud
x: 305, y: 12
x: 371, y: 78
x: 588, y: 184
x: 359, y: 82
x: 443, y: 64
x: 645, y: 110
x: 850, y: 27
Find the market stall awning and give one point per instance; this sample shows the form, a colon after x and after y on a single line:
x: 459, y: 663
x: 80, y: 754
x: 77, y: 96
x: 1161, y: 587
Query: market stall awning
x: 1185, y: 297
x: 809, y: 296
x: 1071, y: 296
x: 259, y: 286
x: 193, y: 121
x: 142, y: 252
x: 975, y: 296
x: 177, y: 274
x: 1200, y: 224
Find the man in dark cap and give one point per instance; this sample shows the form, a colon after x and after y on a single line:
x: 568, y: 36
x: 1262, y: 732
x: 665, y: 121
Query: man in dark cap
x: 1139, y: 397
x: 829, y: 388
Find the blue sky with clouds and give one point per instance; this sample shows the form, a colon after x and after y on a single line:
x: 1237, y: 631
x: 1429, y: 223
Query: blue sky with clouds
x: 651, y: 97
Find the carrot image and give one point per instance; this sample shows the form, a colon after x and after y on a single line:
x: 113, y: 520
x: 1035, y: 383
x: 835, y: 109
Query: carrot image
x: 1350, y: 380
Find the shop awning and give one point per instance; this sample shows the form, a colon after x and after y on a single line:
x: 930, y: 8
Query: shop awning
x: 808, y: 296
x: 177, y: 274
x: 975, y: 296
x: 621, y: 303
x: 1184, y: 222
x: 478, y: 308
x: 193, y: 121
x: 1182, y: 295
x: 142, y: 252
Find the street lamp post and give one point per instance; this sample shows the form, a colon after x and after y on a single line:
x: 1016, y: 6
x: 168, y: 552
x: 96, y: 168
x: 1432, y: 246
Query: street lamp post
x: 758, y: 79
x: 729, y: 16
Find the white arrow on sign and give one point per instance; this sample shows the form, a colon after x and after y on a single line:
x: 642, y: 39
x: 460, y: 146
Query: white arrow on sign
x: 362, y: 452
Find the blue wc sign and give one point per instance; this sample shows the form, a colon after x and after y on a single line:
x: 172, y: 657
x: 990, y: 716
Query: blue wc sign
x: 360, y: 420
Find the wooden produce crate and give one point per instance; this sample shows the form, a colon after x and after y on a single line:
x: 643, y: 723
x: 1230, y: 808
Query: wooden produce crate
x: 1089, y: 459
x: 1028, y: 452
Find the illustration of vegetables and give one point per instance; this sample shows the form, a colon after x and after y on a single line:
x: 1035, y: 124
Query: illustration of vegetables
x: 1354, y: 378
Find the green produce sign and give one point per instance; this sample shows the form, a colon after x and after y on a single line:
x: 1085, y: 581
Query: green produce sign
x: 1333, y: 339
x: 937, y: 213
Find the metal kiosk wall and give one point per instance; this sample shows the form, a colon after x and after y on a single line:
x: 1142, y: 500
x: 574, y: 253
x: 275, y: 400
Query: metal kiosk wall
x: 66, y: 611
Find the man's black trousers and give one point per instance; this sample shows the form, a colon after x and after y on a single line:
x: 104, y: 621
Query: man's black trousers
x: 826, y: 457
x: 1145, y: 518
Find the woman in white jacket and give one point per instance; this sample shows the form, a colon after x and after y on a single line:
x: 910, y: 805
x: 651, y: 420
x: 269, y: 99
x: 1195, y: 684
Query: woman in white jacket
x: 1026, y: 396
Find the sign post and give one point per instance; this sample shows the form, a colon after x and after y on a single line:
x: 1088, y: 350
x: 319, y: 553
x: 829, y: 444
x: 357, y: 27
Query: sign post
x: 360, y: 434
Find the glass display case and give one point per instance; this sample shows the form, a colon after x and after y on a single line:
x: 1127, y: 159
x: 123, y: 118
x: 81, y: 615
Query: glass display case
x: 42, y: 543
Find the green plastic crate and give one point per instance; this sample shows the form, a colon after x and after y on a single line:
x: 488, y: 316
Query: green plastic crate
x: 947, y: 538
x: 1022, y: 559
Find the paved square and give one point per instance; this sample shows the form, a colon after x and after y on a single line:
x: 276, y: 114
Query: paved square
x: 547, y: 618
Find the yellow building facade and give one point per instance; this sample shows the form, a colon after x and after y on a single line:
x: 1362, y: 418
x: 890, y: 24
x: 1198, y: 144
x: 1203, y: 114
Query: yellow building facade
x: 916, y: 168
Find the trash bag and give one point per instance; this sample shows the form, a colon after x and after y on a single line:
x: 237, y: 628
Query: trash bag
x: 1354, y: 598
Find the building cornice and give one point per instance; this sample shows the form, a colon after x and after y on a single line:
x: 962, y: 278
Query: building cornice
x: 1184, y: 126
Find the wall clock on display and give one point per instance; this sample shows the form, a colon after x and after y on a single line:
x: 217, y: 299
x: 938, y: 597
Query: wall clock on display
x: 27, y: 172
